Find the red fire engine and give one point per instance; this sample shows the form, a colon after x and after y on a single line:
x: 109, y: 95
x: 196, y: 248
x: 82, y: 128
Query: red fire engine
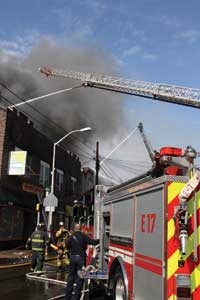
x: 149, y: 231
x: 149, y: 227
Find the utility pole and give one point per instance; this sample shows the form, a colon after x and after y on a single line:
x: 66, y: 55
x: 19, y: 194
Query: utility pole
x: 97, y: 164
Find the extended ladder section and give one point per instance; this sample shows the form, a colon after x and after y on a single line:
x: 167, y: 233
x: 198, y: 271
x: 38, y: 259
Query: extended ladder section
x: 162, y: 92
x: 148, y: 146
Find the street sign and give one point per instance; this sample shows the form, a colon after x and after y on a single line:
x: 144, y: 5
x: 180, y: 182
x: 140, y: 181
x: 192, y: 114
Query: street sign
x: 47, y: 208
x: 50, y: 200
x: 47, y: 189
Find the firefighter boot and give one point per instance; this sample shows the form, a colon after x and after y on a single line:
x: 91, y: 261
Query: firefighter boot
x: 59, y: 260
x: 59, y: 269
x: 65, y: 261
x: 59, y: 265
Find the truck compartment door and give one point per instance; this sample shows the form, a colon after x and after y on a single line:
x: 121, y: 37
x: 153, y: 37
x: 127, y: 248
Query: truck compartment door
x: 148, y: 280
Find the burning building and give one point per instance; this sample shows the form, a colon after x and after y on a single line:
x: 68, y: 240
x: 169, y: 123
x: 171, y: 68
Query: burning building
x: 18, y: 193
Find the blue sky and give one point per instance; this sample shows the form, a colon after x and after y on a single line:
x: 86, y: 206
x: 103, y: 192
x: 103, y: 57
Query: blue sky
x: 151, y: 40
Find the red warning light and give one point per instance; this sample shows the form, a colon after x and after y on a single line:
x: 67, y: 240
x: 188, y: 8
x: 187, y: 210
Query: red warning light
x: 171, y: 151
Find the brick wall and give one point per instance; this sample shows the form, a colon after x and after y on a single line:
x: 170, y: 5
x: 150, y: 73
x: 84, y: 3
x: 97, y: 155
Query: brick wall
x: 3, y: 118
x: 17, y: 130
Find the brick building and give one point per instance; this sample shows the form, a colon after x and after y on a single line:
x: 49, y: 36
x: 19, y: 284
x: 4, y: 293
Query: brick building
x: 18, y: 194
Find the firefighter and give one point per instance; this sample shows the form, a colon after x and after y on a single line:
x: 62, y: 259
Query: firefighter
x: 37, y: 242
x: 62, y: 236
x: 77, y: 245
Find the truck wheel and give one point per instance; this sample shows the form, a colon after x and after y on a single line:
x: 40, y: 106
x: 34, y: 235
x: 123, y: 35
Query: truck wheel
x: 119, y: 292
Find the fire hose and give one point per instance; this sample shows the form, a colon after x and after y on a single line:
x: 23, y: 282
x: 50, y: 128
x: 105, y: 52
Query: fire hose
x: 40, y: 277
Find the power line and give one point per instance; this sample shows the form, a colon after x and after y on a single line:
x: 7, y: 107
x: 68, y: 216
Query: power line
x: 110, y: 170
x: 108, y: 175
x: 129, y: 166
x: 125, y: 170
x: 37, y: 111
x: 33, y: 118
x: 52, y: 123
x: 40, y: 113
x: 89, y: 157
x: 142, y: 162
x: 10, y: 102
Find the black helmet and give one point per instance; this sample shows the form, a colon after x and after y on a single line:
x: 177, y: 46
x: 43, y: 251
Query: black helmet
x: 40, y: 226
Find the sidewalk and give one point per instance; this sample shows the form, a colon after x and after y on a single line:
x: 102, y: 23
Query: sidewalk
x: 14, y: 256
x: 19, y: 258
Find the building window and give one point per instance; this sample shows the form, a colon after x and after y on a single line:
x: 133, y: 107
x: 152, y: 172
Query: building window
x: 28, y: 170
x: 59, y: 179
x: 44, y: 173
x: 74, y: 184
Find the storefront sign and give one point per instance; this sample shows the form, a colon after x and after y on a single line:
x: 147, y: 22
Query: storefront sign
x: 33, y: 189
x: 17, y: 163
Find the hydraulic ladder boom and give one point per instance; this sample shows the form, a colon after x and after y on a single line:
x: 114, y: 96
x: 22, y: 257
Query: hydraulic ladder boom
x: 162, y: 92
x: 147, y: 143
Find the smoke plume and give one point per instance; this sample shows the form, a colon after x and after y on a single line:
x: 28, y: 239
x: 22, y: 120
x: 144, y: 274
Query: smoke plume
x: 71, y: 110
x: 101, y: 110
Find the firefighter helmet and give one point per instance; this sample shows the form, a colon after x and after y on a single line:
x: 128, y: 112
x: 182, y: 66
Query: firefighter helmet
x: 61, y: 224
x: 40, y: 226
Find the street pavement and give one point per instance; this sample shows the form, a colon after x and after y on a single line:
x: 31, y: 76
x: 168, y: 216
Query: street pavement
x: 15, y: 285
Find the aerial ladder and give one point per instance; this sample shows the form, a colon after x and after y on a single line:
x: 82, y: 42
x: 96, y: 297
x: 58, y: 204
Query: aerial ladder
x: 147, y: 144
x: 154, y: 155
x: 161, y: 92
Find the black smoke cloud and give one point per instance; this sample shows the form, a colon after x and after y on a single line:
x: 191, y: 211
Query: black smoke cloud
x: 101, y: 110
